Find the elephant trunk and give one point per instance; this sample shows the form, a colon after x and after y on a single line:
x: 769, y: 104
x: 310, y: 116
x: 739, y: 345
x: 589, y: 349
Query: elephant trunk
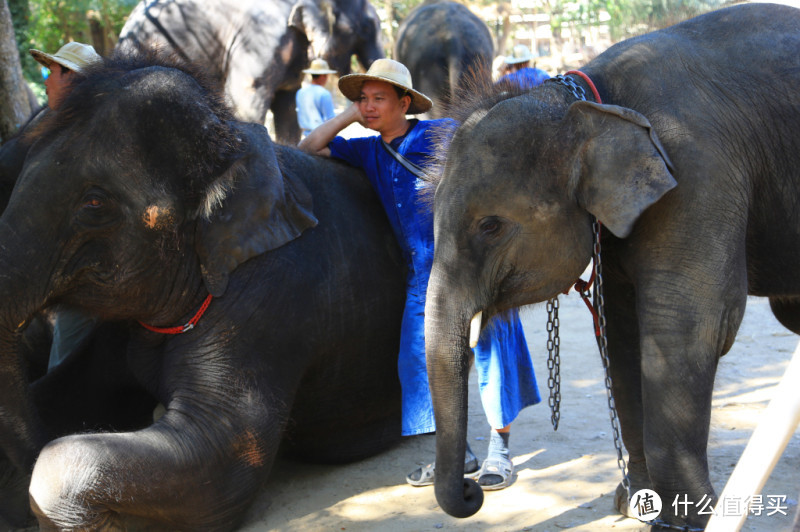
x: 448, y: 360
x: 22, y: 434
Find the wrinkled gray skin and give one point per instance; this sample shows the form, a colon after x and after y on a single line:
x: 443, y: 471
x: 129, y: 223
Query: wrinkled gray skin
x: 139, y: 224
x: 445, y: 47
x: 258, y: 48
x: 691, y: 164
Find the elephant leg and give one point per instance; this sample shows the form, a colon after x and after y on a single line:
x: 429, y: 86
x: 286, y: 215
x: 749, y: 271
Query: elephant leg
x: 682, y: 337
x: 626, y: 377
x: 197, y: 468
x: 625, y: 371
x: 787, y: 311
x: 284, y: 112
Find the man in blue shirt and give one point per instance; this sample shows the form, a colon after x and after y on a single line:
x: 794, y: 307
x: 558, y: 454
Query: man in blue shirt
x: 382, y: 98
x: 314, y: 102
x: 519, y: 70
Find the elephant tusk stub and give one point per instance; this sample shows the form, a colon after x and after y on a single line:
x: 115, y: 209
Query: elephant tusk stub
x: 475, y: 329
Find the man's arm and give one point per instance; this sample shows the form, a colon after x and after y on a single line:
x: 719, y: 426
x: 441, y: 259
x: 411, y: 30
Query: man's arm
x: 317, y: 141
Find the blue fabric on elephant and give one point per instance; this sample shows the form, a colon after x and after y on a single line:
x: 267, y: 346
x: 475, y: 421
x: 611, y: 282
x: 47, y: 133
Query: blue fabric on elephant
x: 526, y: 78
x: 505, y: 372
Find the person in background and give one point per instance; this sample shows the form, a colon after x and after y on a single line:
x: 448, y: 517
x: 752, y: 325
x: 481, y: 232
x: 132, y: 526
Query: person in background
x: 314, y: 102
x: 519, y: 70
x: 62, y: 70
x: 498, y: 67
x: 392, y: 159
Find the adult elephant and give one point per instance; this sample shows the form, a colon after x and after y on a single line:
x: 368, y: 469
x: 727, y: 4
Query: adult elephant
x: 445, y: 47
x: 185, y: 216
x: 691, y: 165
x: 258, y: 48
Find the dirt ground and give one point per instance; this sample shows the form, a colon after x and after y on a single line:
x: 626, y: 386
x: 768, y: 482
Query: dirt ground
x: 565, y: 480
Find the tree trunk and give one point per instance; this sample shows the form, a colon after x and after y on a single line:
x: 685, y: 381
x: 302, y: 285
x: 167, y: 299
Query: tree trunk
x: 16, y: 98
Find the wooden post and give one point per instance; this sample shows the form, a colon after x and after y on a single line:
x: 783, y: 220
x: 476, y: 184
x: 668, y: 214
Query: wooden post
x: 773, y: 432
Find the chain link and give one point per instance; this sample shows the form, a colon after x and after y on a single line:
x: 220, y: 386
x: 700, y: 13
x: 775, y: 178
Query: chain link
x: 602, y: 342
x: 554, y: 362
x: 663, y: 524
x: 569, y: 83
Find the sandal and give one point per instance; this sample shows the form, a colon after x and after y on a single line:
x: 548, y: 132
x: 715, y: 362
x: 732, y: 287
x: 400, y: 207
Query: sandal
x: 496, y: 473
x: 424, y: 476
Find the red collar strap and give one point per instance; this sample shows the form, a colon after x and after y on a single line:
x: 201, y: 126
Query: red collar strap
x: 182, y: 328
x: 588, y: 81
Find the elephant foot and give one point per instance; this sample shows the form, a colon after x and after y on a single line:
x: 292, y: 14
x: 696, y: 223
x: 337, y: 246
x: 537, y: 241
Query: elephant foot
x: 621, y: 501
x: 638, y: 479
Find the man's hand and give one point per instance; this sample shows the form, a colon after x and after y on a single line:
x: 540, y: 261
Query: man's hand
x: 317, y: 141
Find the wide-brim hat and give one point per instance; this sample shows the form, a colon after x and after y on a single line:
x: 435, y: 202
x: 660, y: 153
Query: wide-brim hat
x: 391, y: 72
x: 319, y: 67
x: 519, y: 54
x: 74, y: 55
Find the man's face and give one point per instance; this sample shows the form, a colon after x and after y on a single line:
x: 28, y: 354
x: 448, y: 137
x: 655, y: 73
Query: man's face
x: 58, y: 85
x: 380, y: 106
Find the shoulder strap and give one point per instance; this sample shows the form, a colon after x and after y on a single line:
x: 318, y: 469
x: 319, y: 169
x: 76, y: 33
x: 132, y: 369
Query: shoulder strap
x: 411, y: 167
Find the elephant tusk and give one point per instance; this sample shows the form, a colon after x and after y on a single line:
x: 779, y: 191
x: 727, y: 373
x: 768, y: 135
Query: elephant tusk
x: 475, y: 329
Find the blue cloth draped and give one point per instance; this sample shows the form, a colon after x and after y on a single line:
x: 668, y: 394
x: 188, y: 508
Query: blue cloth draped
x: 505, y: 373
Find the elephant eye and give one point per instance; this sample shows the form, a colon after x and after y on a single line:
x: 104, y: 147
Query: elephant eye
x: 490, y: 226
x: 96, y: 209
x: 93, y: 203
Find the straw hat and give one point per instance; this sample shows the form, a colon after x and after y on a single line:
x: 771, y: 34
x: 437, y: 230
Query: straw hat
x: 73, y: 55
x: 389, y: 71
x: 319, y: 66
x: 519, y: 54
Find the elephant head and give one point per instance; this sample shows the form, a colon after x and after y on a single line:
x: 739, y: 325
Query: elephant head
x: 144, y: 227
x: 522, y: 235
x: 258, y: 48
x: 336, y: 30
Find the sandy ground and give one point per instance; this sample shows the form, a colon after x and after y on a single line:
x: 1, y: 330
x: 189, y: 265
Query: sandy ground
x: 565, y: 480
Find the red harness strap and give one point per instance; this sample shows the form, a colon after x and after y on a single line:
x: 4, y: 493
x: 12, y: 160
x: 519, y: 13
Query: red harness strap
x: 182, y: 328
x: 583, y: 287
x: 589, y: 82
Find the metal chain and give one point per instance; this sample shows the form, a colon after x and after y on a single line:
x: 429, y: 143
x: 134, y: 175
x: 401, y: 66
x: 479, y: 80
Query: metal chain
x: 602, y: 342
x: 554, y: 362
x: 574, y: 88
x: 663, y: 524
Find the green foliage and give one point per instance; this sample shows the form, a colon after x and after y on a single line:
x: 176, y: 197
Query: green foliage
x: 49, y: 24
x: 628, y: 17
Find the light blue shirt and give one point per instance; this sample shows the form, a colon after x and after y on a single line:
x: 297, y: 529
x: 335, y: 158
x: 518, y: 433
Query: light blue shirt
x: 314, y: 106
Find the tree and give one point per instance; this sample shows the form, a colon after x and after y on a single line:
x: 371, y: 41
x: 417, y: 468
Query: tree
x: 16, y: 99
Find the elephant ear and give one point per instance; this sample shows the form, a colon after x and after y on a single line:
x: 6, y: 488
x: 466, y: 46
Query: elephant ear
x: 622, y: 167
x: 263, y: 211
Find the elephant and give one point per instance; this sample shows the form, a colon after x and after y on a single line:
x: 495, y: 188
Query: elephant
x: 687, y: 157
x: 258, y: 48
x: 445, y: 47
x: 150, y: 205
